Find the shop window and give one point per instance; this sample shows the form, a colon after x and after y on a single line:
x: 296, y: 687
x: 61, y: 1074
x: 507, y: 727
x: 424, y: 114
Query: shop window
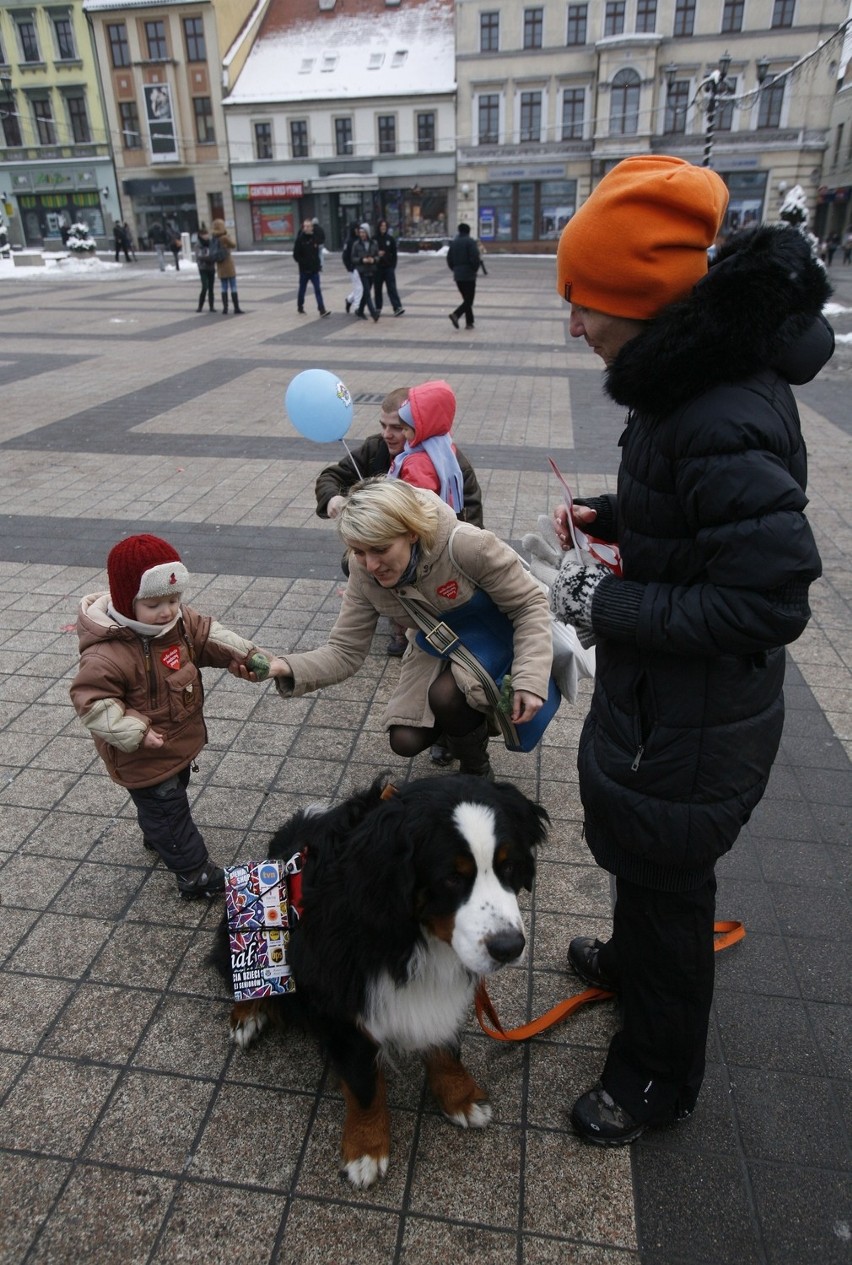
x: 263, y: 140
x: 624, y: 104
x: 684, y: 17
x: 578, y: 23
x: 131, y: 137
x: 732, y: 16
x: 193, y: 35
x: 677, y: 101
x: 387, y: 133
x: 155, y: 35
x: 782, y: 13
x: 489, y: 119
x: 205, y: 131
x: 558, y: 202
x: 425, y: 133
x: 530, y: 118
x: 64, y: 35
x: 646, y: 16
x: 489, y: 32
x: 573, y: 108
x: 533, y: 27
x: 119, y: 49
x: 343, y: 137
x: 614, y: 18
x: 43, y: 117
x: 299, y: 138
x: 28, y: 40
x: 78, y: 118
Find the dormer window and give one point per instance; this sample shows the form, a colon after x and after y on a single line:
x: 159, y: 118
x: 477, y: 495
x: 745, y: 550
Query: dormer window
x: 329, y: 61
x: 400, y: 57
x: 376, y: 61
x: 306, y: 66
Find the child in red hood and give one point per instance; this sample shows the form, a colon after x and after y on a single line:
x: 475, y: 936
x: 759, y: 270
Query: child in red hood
x: 428, y: 459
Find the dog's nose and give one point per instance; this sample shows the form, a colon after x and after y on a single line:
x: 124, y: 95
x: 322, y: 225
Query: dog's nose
x: 505, y: 946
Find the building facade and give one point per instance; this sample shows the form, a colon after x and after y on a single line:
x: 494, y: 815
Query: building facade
x: 551, y: 96
x: 55, y: 155
x: 162, y: 75
x: 345, y: 111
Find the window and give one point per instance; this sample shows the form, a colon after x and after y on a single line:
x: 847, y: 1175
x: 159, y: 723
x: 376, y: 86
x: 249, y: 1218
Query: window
x: 614, y: 18
x: 725, y: 106
x: 263, y: 140
x: 78, y: 118
x: 573, y: 104
x: 193, y: 36
x: 531, y: 117
x: 684, y: 18
x: 29, y: 42
x: 489, y: 32
x: 9, y: 119
x: 205, y: 132
x: 533, y: 27
x: 155, y: 34
x: 425, y: 133
x: 578, y: 22
x: 677, y: 100
x: 43, y: 115
x: 489, y: 119
x: 299, y: 138
x: 328, y: 62
x: 771, y: 100
x: 732, y: 15
x: 782, y: 12
x: 646, y: 16
x: 131, y: 137
x: 64, y: 33
x: 624, y: 104
x: 343, y: 136
x: 387, y: 133
x: 838, y: 143
x: 119, y: 49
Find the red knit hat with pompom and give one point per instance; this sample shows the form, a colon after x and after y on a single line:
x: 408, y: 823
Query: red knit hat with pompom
x: 143, y: 566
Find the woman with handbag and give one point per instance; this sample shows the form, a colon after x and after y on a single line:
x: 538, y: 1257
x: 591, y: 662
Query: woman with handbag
x: 412, y: 560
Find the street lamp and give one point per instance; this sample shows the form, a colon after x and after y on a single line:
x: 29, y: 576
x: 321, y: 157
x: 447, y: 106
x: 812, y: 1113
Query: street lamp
x: 715, y: 85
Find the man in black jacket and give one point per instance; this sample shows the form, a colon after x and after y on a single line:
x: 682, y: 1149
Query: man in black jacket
x: 463, y: 259
x: 307, y: 253
x: 717, y: 558
x: 386, y: 269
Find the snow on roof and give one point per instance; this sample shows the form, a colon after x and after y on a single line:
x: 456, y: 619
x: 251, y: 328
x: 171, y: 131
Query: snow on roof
x: 359, y: 48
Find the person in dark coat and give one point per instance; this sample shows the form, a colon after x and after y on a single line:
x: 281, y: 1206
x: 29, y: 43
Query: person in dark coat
x: 122, y: 241
x: 386, y: 269
x: 206, y: 269
x: 717, y: 559
x: 463, y: 259
x: 364, y: 254
x: 307, y: 253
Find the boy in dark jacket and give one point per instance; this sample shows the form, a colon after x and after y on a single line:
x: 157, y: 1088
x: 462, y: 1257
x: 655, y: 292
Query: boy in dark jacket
x: 386, y: 269
x: 307, y: 252
x: 717, y: 560
x: 139, y: 693
x: 463, y: 260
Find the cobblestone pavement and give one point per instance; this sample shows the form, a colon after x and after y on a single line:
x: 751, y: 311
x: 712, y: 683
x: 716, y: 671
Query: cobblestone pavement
x: 131, y: 1130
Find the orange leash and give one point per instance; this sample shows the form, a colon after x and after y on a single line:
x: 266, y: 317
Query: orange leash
x: 726, y: 934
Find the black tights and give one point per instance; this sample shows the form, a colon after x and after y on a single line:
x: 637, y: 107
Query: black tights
x: 453, y: 717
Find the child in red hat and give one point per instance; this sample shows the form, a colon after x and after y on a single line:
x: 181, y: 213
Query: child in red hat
x: 138, y: 691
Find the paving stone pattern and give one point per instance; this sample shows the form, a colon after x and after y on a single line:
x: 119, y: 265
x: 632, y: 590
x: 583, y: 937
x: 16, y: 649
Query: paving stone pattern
x: 131, y: 1130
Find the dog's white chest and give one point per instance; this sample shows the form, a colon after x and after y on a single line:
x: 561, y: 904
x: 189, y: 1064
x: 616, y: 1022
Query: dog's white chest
x: 430, y: 1009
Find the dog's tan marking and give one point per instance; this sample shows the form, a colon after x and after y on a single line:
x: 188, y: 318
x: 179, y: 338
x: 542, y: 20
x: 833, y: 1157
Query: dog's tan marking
x: 455, y: 1090
x: 442, y: 928
x: 365, y: 1144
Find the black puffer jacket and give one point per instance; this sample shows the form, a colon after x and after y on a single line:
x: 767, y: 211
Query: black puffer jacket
x: 718, y: 556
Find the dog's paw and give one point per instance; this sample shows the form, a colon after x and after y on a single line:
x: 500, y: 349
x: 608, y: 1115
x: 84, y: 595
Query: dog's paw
x: 365, y: 1171
x: 247, y: 1026
x: 476, y: 1116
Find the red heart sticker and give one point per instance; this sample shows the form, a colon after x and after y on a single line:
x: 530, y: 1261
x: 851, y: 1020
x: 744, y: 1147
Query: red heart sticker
x: 171, y: 658
x: 449, y: 590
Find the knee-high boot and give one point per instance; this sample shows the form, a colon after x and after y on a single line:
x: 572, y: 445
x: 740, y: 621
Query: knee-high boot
x: 200, y: 307
x: 471, y: 751
x: 224, y: 302
x: 210, y: 300
x: 237, y: 309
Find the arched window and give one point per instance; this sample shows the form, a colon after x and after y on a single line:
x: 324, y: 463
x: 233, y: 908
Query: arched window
x: 624, y: 104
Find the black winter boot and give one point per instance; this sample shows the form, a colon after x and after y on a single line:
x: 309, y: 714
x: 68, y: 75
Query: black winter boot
x: 237, y: 309
x: 471, y: 751
x: 225, y: 303
x: 200, y: 307
x: 212, y: 308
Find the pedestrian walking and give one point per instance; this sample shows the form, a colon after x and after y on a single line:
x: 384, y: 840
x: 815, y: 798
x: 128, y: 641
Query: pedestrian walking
x: 157, y: 237
x: 307, y: 253
x: 385, y: 275
x: 717, y: 555
x: 355, y: 287
x: 364, y: 255
x: 463, y: 259
x: 122, y: 242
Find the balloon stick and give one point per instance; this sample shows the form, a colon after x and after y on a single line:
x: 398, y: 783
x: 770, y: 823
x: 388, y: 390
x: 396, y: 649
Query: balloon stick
x: 351, y: 458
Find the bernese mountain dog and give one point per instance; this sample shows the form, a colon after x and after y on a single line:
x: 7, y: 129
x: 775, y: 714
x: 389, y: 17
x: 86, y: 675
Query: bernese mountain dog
x: 407, y: 902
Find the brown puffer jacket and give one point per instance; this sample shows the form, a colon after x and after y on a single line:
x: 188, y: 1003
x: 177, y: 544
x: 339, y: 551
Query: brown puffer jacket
x: 226, y: 267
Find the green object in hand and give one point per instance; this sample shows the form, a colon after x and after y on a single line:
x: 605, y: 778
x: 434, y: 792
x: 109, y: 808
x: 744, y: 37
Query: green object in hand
x: 507, y: 695
x: 259, y: 665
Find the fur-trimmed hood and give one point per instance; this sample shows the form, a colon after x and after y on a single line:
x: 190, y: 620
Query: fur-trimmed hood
x: 758, y: 308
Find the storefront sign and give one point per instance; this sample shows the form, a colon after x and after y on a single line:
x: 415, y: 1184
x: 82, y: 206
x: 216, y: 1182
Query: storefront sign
x: 287, y: 189
x: 161, y: 124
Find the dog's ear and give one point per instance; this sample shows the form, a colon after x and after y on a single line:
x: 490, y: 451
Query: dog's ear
x: 528, y: 822
x: 380, y: 876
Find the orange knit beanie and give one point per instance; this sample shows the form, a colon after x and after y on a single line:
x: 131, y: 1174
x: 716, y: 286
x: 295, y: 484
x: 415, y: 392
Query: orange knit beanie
x: 639, y: 242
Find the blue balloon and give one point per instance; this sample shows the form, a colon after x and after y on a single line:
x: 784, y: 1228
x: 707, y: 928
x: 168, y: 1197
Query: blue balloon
x: 319, y: 405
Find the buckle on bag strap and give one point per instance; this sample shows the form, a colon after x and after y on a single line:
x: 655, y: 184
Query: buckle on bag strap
x: 442, y: 638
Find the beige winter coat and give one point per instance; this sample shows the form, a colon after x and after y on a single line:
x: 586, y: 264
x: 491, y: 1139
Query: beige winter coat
x: 127, y: 684
x: 478, y: 554
x: 226, y: 267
